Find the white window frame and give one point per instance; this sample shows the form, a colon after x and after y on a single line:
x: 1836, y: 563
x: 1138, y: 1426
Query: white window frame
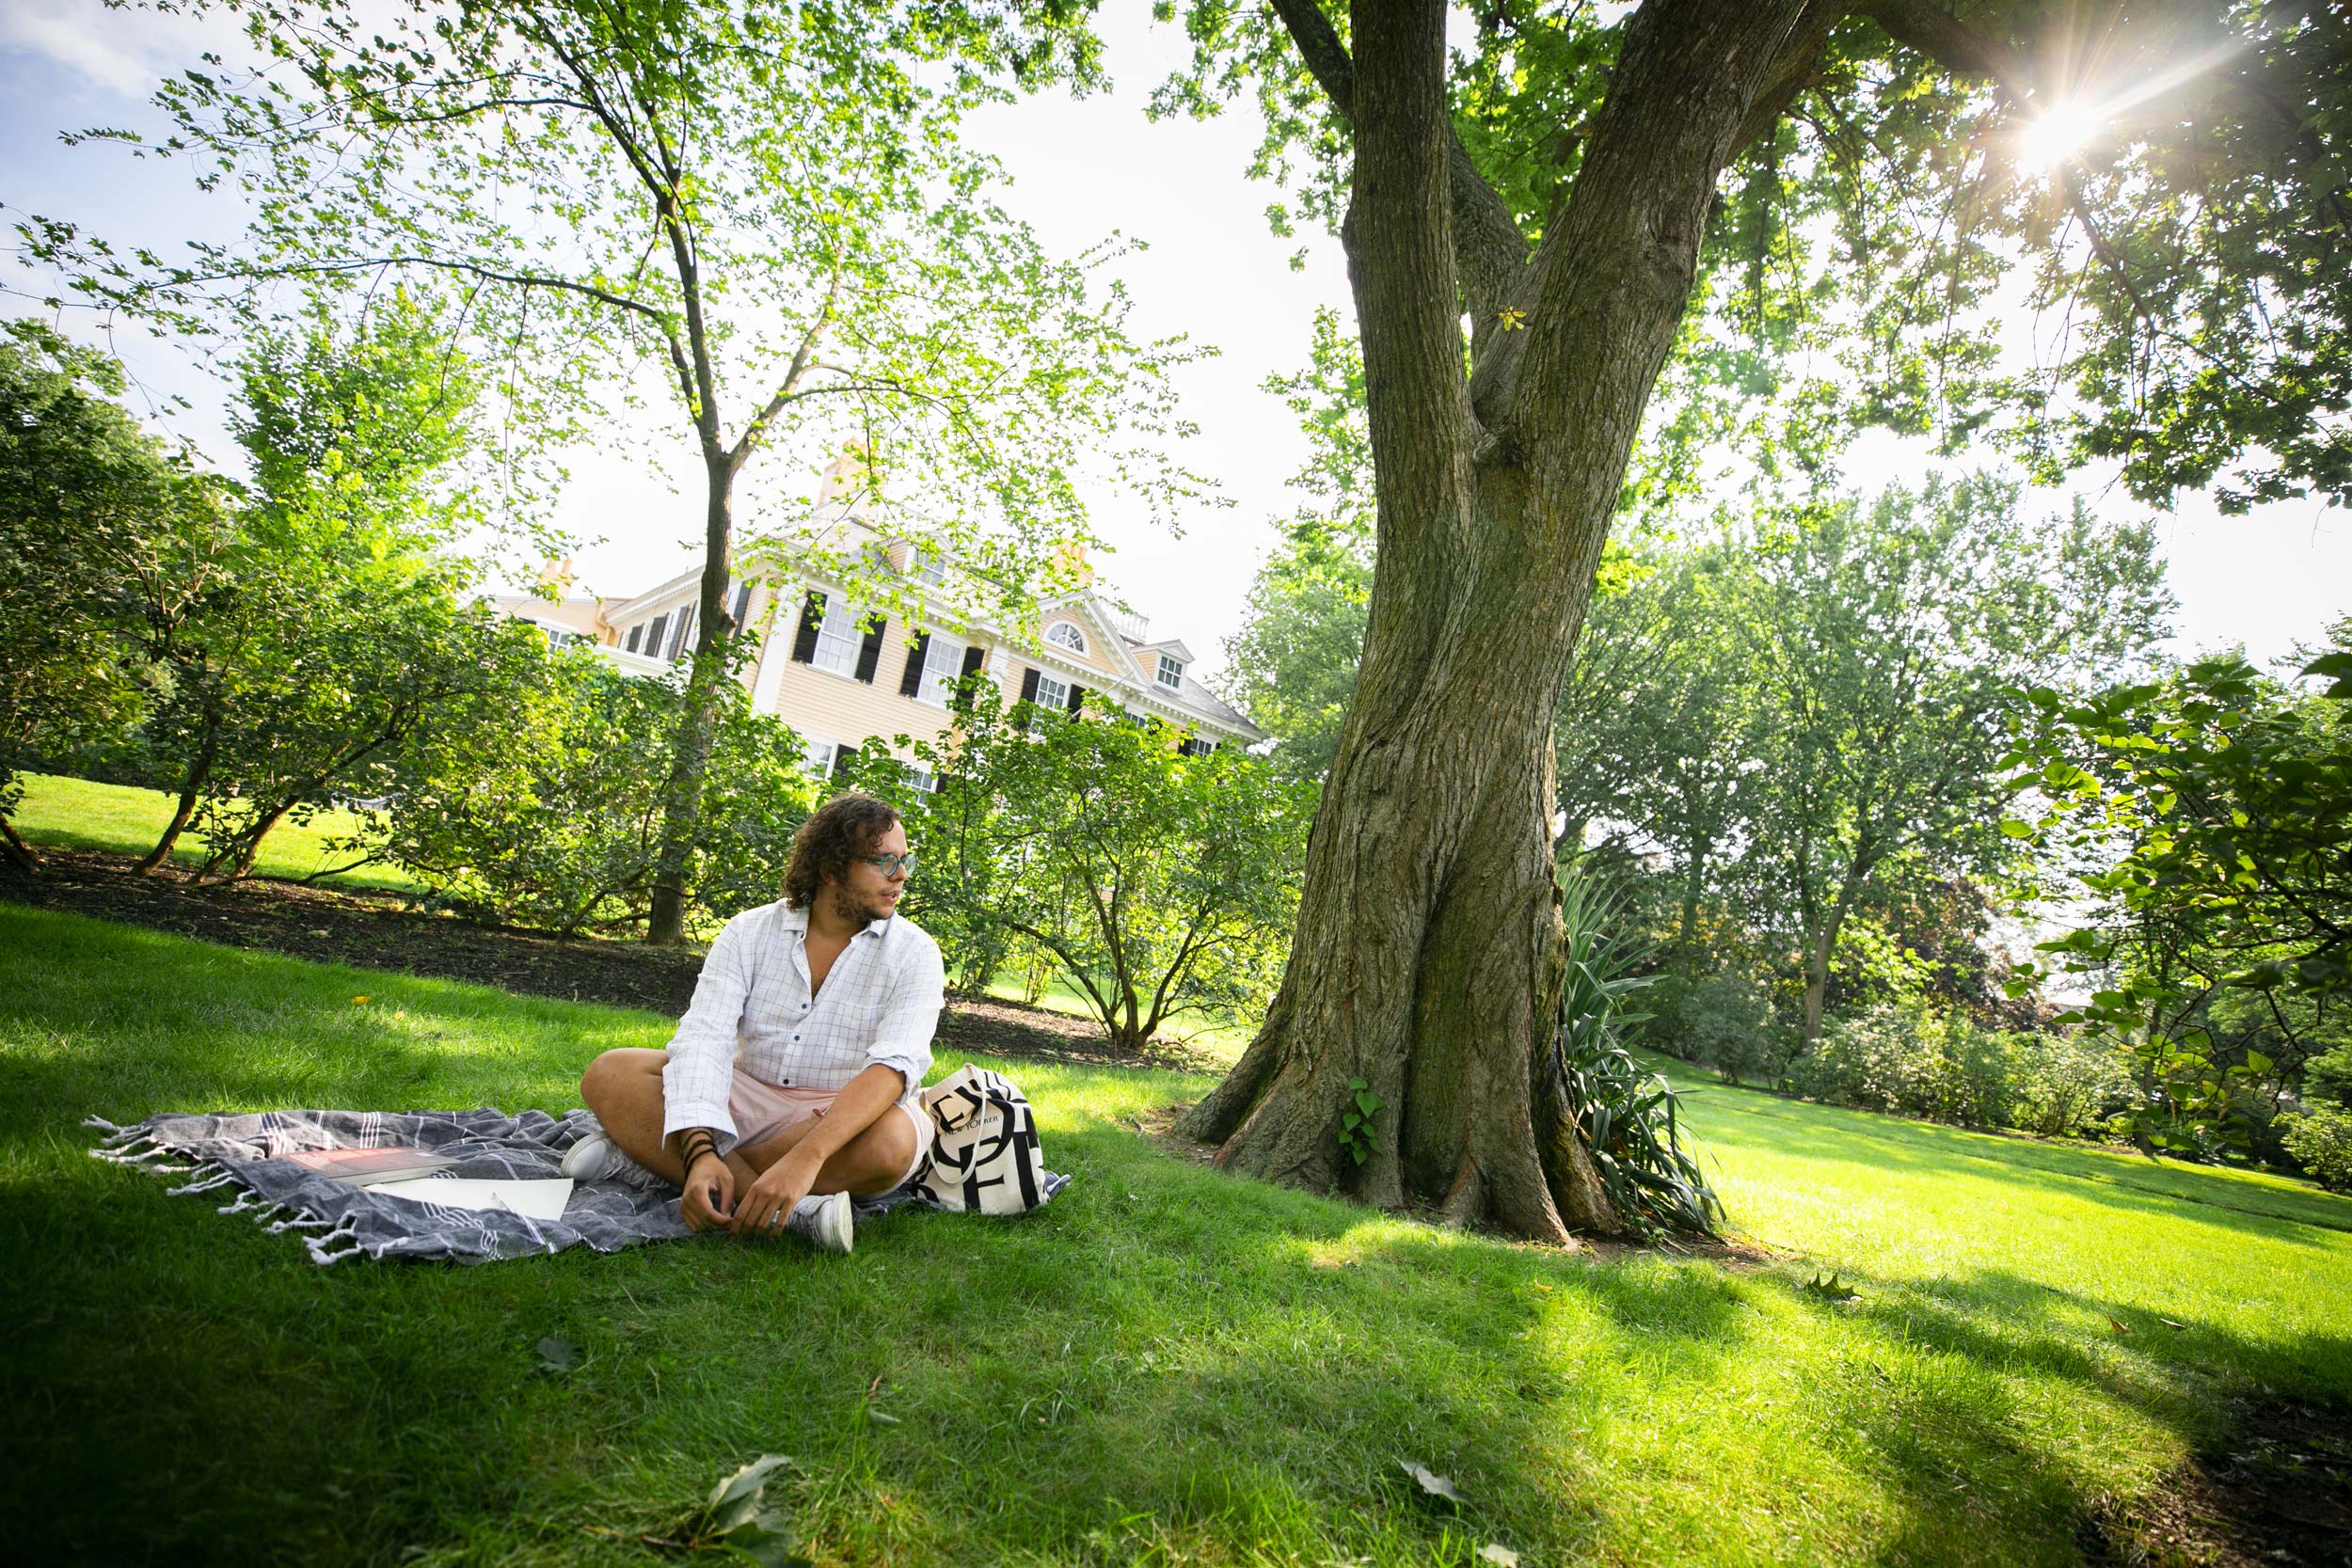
x: 942, y: 666
x: 818, y: 756
x: 839, y: 638
x: 1060, y: 701
x: 1075, y: 643
x: 1169, y: 667
x: 922, y: 778
x: 927, y: 566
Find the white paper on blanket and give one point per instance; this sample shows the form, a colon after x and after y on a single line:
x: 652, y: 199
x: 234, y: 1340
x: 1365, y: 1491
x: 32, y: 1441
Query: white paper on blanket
x: 538, y: 1201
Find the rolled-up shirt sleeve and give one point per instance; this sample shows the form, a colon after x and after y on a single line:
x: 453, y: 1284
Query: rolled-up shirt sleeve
x: 701, y: 1068
x: 918, y: 989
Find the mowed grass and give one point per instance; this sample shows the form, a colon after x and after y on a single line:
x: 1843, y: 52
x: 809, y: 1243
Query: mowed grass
x: 1165, y: 1365
x: 80, y: 813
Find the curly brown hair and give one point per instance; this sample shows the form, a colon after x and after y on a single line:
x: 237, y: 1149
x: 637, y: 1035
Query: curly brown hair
x: 842, y: 830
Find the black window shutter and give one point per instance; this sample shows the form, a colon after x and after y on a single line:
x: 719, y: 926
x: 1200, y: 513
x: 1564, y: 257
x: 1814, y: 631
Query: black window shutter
x: 869, y: 653
x: 973, y: 658
x: 812, y: 616
x: 1029, y: 684
x: 842, y: 757
x: 912, y: 682
x: 1078, y: 696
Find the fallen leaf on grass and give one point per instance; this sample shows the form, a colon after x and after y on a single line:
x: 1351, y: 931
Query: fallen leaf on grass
x: 557, y: 1355
x: 1501, y: 1556
x: 1541, y: 1286
x: 356, y: 1000
x: 2170, y: 1324
x: 1833, y: 1288
x: 883, y: 1419
x: 1430, y: 1482
x: 2118, y: 1325
x: 736, y: 1515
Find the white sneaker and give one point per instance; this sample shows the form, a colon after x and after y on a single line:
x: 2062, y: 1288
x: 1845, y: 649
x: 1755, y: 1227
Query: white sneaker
x: 597, y: 1158
x: 823, y: 1222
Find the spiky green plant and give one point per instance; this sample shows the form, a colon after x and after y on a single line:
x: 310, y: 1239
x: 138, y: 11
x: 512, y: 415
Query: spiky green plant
x: 1630, y: 1117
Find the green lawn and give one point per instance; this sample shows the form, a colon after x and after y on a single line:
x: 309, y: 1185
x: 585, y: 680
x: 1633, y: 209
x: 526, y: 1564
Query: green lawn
x: 1219, y: 1039
x: 1165, y: 1364
x: 77, y: 813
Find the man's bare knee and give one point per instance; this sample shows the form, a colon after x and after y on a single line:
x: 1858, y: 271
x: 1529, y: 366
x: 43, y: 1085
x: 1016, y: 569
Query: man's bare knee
x: 618, y: 1073
x: 882, y: 1153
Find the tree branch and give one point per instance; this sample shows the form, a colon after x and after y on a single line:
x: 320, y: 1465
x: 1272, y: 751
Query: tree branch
x: 1489, y: 248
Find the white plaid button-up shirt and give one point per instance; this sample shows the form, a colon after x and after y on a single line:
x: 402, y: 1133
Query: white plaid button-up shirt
x: 752, y: 1008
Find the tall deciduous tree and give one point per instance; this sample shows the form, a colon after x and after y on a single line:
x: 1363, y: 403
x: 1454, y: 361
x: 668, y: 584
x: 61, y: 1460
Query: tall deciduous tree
x: 1560, y: 189
x: 89, y: 505
x: 1888, y: 642
x: 766, y: 200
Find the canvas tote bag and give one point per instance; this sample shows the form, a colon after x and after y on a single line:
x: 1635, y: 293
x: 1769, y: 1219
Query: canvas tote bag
x: 984, y: 1157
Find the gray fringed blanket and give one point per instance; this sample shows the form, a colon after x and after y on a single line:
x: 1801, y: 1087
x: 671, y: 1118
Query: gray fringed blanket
x: 240, y: 1156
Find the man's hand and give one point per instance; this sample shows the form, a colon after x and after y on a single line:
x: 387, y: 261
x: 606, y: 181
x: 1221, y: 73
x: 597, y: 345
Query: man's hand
x: 709, y: 1196
x: 769, y: 1201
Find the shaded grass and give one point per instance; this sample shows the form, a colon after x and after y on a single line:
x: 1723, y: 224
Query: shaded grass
x: 1164, y: 1365
x: 80, y: 813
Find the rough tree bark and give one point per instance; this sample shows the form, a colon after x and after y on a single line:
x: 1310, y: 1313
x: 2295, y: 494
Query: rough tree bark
x: 1428, y: 954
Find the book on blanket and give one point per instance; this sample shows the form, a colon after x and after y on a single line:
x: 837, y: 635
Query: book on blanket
x: 365, y: 1168
x: 535, y: 1197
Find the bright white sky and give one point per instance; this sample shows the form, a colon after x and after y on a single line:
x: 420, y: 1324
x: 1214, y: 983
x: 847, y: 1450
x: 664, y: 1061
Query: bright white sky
x: 1082, y: 169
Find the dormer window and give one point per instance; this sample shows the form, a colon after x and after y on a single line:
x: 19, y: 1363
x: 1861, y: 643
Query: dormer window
x: 1064, y: 634
x: 925, y: 566
x: 1172, y: 674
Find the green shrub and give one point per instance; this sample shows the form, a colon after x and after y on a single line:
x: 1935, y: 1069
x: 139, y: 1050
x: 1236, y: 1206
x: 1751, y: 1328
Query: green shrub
x: 2069, y: 1084
x: 1722, y: 1022
x: 2320, y: 1138
x: 554, y: 820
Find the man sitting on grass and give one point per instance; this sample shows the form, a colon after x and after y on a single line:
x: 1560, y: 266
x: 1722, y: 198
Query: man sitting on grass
x: 791, y: 1082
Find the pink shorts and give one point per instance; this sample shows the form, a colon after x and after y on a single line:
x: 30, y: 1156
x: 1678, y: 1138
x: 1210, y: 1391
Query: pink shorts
x: 761, y: 1111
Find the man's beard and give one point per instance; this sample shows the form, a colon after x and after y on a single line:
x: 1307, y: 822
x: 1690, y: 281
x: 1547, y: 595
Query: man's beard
x: 845, y: 909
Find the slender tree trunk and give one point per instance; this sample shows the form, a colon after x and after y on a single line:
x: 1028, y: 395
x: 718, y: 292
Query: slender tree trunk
x: 1693, y: 884
x: 1817, y: 955
x: 681, y: 792
x: 1428, y: 959
x: 199, y: 772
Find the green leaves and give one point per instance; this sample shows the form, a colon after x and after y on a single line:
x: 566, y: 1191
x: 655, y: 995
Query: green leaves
x: 1356, y: 1134
x: 740, y: 1517
x: 2210, y: 808
x: 1629, y: 1119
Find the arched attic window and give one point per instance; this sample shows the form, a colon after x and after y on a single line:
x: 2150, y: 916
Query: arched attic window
x: 1065, y: 634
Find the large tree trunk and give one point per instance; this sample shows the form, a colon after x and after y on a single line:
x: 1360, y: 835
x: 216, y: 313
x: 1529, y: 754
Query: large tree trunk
x: 1428, y: 954
x: 682, y: 791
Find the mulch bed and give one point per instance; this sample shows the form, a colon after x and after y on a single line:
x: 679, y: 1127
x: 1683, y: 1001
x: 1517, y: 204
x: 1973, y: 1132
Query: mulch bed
x: 380, y: 930
x: 2276, y: 1490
